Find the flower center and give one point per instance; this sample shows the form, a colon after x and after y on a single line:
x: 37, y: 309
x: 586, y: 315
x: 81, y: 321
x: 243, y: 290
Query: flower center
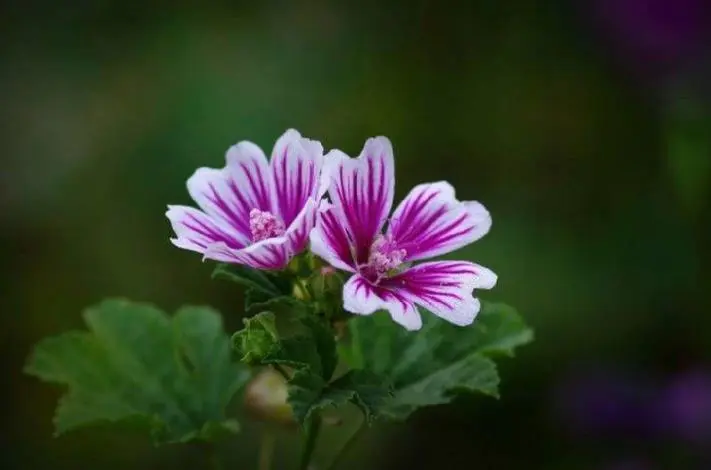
x: 264, y: 224
x: 384, y: 256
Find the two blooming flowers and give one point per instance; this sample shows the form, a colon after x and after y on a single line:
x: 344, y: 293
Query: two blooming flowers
x: 261, y: 213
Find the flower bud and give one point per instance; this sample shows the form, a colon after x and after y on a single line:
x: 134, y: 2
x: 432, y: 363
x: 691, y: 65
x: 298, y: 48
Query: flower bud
x: 266, y: 398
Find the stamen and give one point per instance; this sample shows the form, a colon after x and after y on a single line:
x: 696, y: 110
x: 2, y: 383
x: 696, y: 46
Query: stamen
x: 264, y: 224
x: 384, y: 256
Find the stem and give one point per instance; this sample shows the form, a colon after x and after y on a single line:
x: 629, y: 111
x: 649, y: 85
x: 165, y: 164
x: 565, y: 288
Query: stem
x: 266, y: 450
x: 312, y: 430
x: 348, y: 445
x: 279, y: 368
x: 211, y: 455
x: 356, y: 350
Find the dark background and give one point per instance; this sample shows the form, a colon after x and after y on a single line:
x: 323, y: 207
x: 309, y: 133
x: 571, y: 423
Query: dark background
x: 583, y: 126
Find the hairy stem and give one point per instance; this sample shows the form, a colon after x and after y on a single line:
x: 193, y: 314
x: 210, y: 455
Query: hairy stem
x: 313, y: 428
x: 347, y: 446
x: 284, y: 373
x: 266, y: 450
x: 356, y: 351
x: 211, y: 456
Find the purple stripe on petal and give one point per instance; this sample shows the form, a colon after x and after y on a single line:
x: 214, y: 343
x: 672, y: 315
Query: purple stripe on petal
x: 363, y: 298
x: 362, y: 188
x: 210, y: 190
x: 295, y: 170
x: 195, y: 230
x: 229, y: 194
x: 329, y: 239
x: 431, y: 222
x: 444, y: 288
x: 270, y: 254
x: 248, y: 178
x: 299, y: 230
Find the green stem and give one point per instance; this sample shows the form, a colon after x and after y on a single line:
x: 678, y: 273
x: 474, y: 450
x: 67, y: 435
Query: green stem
x: 348, y: 445
x: 312, y: 431
x: 279, y: 368
x: 211, y: 455
x: 356, y: 350
x: 266, y: 450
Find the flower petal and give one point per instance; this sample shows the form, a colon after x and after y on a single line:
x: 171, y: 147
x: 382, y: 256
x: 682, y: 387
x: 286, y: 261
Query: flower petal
x: 298, y: 232
x: 444, y: 288
x: 363, y: 298
x: 195, y: 230
x: 362, y: 188
x: 295, y: 170
x: 249, y: 178
x: 269, y: 254
x: 430, y: 221
x: 329, y: 239
x: 210, y: 190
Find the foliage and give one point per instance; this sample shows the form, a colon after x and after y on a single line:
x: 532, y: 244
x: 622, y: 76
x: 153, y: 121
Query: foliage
x: 430, y: 366
x: 177, y: 375
x: 135, y: 363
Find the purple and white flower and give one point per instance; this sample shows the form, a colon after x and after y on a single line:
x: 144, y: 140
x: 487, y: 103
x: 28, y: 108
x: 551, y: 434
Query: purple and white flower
x: 429, y: 222
x: 254, y: 212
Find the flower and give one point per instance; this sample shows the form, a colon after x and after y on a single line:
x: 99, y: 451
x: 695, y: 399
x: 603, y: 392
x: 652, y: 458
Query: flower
x: 254, y: 212
x: 429, y: 222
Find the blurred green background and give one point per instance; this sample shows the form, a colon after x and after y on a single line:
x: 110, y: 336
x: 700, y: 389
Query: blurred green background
x: 584, y: 127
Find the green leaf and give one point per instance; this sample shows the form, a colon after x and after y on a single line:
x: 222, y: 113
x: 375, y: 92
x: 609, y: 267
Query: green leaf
x: 138, y: 364
x: 310, y: 345
x: 256, y: 301
x: 309, y: 349
x: 309, y: 393
x: 259, y: 281
x: 430, y: 366
x: 314, y: 358
x: 368, y: 391
x: 305, y: 394
x: 324, y: 344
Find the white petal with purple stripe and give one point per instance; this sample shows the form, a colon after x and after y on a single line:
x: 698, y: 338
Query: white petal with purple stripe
x: 330, y: 241
x: 195, y: 230
x: 431, y: 222
x: 254, y: 212
x: 362, y: 189
x: 363, y: 298
x: 295, y: 172
x: 445, y: 288
x: 270, y: 254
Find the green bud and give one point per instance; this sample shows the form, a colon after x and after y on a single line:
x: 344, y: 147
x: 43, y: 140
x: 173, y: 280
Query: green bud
x: 256, y: 339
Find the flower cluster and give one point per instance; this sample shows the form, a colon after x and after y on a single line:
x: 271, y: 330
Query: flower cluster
x: 261, y: 213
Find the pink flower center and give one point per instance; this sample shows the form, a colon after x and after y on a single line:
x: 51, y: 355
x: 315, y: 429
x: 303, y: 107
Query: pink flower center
x: 384, y: 256
x: 264, y: 224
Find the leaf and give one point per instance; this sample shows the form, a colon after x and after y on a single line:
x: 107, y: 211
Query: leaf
x: 254, y: 279
x: 430, y: 366
x: 305, y: 394
x: 314, y: 357
x: 256, y: 301
x: 137, y: 364
x: 309, y: 393
x: 499, y: 330
x: 311, y: 346
x: 368, y: 391
x: 310, y: 351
